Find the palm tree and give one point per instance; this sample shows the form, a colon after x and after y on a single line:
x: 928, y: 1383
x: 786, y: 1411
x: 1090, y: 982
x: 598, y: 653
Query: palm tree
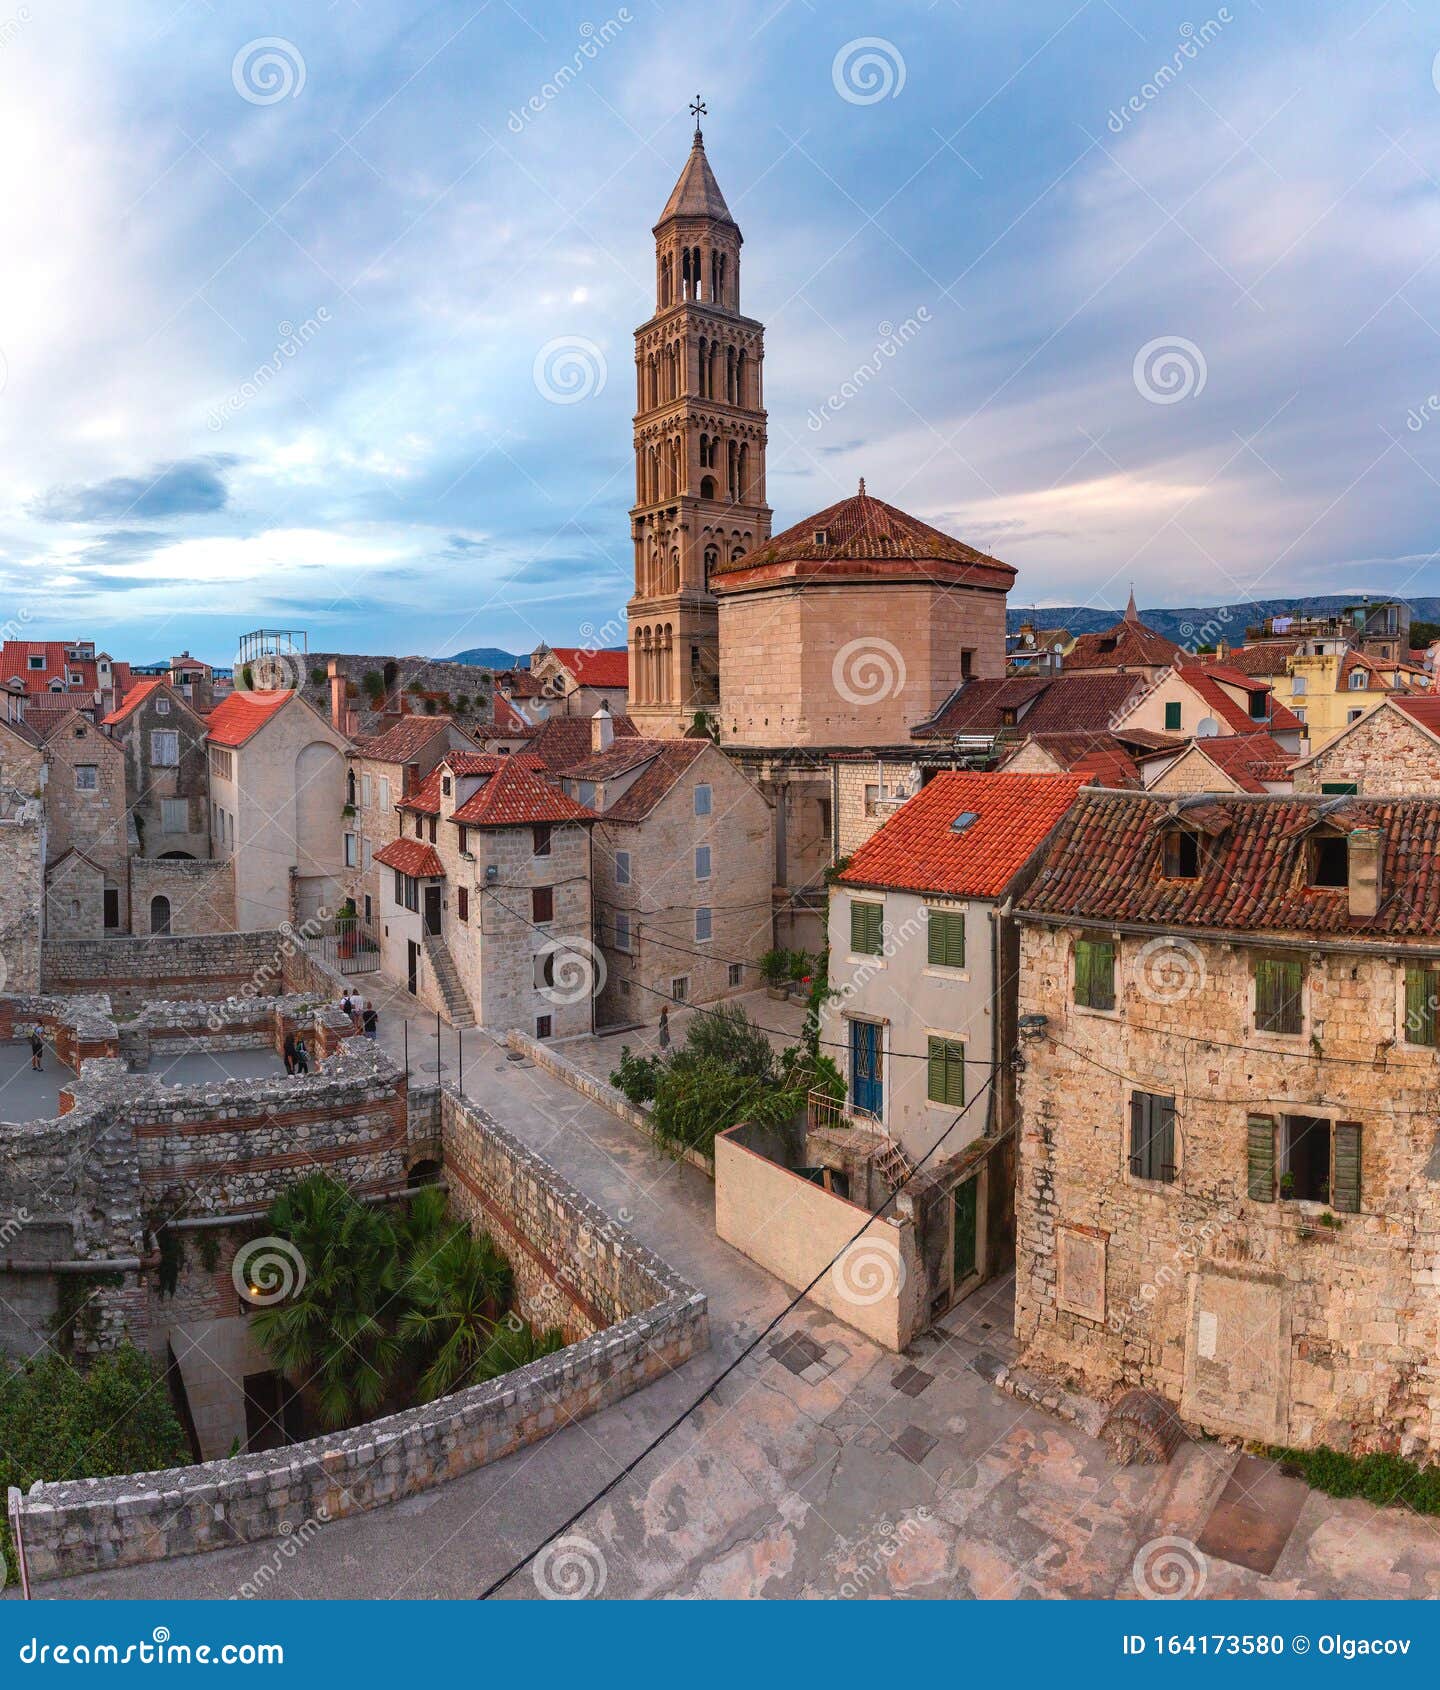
x: 458, y: 1289
x: 330, y: 1337
x: 515, y: 1344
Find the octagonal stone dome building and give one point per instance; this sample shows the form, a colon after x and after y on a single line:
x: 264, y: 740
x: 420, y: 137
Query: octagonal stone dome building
x: 853, y: 626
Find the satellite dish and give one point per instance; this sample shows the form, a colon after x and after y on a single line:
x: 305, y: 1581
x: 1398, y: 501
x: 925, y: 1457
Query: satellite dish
x: 1206, y: 728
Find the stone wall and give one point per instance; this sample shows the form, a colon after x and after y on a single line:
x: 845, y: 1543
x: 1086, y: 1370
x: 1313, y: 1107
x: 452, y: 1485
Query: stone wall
x: 861, y: 791
x: 1386, y: 752
x: 136, y: 970
x: 22, y: 896
x: 653, y: 1322
x: 201, y: 893
x: 1261, y: 1319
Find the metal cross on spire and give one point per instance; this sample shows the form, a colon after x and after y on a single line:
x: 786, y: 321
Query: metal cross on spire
x: 698, y: 109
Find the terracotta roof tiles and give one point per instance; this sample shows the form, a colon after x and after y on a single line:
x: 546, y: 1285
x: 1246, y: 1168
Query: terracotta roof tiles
x: 919, y: 849
x: 412, y: 857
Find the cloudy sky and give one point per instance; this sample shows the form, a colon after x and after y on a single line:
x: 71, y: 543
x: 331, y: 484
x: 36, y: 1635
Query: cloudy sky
x: 319, y: 315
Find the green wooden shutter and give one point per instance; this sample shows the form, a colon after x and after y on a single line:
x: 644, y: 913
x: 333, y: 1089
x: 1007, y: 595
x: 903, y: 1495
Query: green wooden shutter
x: 1083, y: 971
x: 1105, y: 983
x: 1139, y: 1113
x: 865, y: 927
x: 1172, y: 716
x: 1163, y: 1160
x: 1420, y: 995
x: 946, y: 1072
x: 946, y: 939
x: 1345, y: 1187
x: 1261, y: 1158
x: 1095, y: 973
x: 1279, y: 995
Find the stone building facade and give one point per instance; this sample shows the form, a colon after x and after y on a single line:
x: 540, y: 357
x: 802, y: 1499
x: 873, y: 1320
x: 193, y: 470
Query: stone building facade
x: 87, y: 830
x: 1227, y: 1186
x: 682, y: 862
x: 167, y: 775
x: 1393, y: 747
x: 485, y: 910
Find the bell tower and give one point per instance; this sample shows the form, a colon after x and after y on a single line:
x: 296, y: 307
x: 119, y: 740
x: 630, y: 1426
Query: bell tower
x: 699, y: 451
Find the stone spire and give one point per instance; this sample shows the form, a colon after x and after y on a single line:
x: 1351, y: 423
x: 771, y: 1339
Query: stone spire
x: 1131, y: 614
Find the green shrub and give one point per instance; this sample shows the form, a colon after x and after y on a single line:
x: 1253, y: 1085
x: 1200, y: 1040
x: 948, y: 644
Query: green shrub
x: 727, y: 1035
x: 1383, y: 1479
x: 775, y: 967
x: 698, y: 1097
x: 57, y: 1422
x: 637, y: 1076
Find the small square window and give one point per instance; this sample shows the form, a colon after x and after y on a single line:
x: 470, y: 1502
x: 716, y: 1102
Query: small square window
x: 1172, y: 716
x: 162, y: 706
x: 543, y: 1026
x: 540, y: 839
x: 737, y: 974
x: 87, y: 777
x: 542, y: 903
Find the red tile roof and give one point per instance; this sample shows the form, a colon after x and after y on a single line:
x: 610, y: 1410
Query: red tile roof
x: 1105, y: 864
x: 1250, y: 760
x: 240, y: 715
x: 1128, y: 644
x: 867, y: 532
x: 509, y: 723
x: 487, y: 762
x: 1205, y: 683
x: 919, y: 850
x: 664, y: 760
x: 404, y: 740
x: 136, y: 695
x: 1266, y: 658
x: 412, y: 857
x: 424, y: 798
x: 1057, y: 704
x: 514, y: 797
x: 607, y: 668
x: 565, y: 740
x: 15, y: 658
x: 1107, y: 768
x: 1424, y: 708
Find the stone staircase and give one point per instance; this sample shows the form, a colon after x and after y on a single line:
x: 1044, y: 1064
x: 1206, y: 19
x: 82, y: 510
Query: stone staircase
x: 447, y: 977
x: 894, y: 1166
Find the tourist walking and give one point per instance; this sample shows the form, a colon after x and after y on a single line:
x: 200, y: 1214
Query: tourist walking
x: 289, y: 1053
x: 302, y: 1057
x: 37, y: 1048
x: 370, y: 1020
x: 665, y: 1028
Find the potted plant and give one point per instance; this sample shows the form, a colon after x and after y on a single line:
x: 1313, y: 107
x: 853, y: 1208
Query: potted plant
x: 775, y: 971
x: 800, y: 976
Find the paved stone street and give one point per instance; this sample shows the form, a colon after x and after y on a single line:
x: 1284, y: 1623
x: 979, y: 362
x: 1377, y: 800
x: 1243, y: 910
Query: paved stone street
x: 822, y: 1467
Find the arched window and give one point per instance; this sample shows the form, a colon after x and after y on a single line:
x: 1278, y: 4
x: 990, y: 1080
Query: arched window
x: 350, y: 787
x: 159, y: 914
x: 730, y: 374
x: 740, y: 366
x: 712, y: 560
x: 742, y: 483
x: 707, y: 487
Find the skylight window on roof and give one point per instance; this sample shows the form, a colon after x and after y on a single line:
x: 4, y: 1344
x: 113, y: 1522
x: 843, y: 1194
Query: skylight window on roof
x: 966, y: 818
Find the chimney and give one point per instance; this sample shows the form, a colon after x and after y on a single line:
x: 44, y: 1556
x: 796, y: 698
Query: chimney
x: 1366, y: 846
x: 602, y: 729
x: 337, y: 696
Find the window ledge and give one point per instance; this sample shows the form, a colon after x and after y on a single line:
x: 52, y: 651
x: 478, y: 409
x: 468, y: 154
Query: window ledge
x: 935, y: 971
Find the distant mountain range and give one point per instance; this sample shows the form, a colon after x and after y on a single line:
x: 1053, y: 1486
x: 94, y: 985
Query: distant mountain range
x: 491, y: 657
x: 1204, y: 624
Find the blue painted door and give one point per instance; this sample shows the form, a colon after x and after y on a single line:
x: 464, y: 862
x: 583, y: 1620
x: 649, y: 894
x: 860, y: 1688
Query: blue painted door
x: 866, y: 1092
